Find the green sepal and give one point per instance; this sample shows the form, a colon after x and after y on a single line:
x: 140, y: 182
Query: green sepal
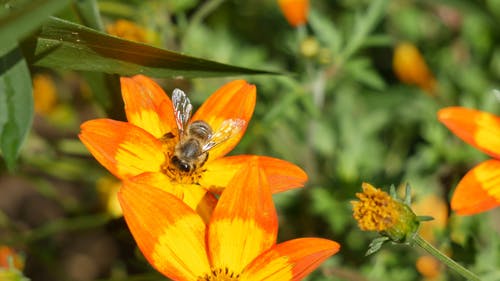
x: 376, y: 244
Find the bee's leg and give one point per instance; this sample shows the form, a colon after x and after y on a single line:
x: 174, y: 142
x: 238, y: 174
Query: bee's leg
x: 167, y: 136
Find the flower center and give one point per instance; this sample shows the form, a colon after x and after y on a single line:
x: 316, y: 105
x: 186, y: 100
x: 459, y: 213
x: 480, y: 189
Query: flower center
x: 219, y: 274
x: 375, y: 210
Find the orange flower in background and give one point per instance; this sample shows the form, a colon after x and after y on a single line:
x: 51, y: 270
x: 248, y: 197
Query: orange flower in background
x: 161, y: 146
x: 411, y: 68
x: 295, y: 11
x: 239, y: 243
x: 429, y: 267
x: 9, y: 257
x: 479, y: 189
x: 127, y: 30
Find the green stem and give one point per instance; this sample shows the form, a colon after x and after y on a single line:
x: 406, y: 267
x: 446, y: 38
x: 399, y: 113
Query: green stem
x: 445, y: 259
x: 363, y: 28
x: 200, y: 15
x: 65, y: 225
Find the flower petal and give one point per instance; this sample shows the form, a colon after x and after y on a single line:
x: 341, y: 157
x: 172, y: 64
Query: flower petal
x: 200, y: 199
x: 244, y: 222
x: 477, y: 128
x: 196, y: 197
x: 234, y: 100
x: 281, y: 175
x: 147, y: 106
x: 168, y: 232
x: 291, y: 260
x: 124, y: 149
x: 157, y: 180
x: 479, y: 189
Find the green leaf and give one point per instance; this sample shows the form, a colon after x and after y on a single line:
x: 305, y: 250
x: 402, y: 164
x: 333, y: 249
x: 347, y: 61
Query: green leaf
x: 63, y: 44
x: 425, y: 218
x: 361, y: 70
x: 88, y: 11
x: 100, y: 83
x: 16, y: 103
x: 117, y: 9
x: 20, y: 18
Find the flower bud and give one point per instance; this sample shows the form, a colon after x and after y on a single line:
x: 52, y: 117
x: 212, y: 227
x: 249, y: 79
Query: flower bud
x: 411, y: 68
x: 377, y: 211
x: 309, y: 47
x: 295, y: 11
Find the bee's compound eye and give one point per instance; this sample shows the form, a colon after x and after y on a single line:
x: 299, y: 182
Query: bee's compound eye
x: 180, y: 164
x: 184, y: 167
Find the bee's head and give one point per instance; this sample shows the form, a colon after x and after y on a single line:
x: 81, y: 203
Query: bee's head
x: 181, y: 165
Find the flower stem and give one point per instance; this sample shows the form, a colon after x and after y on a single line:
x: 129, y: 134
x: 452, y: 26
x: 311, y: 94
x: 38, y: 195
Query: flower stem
x: 199, y: 16
x: 362, y: 29
x: 445, y: 259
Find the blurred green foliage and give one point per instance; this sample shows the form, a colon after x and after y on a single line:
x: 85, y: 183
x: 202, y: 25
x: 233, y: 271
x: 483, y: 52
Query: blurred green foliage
x: 339, y: 112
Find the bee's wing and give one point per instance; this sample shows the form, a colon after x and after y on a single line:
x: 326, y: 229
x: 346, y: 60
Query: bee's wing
x: 182, y: 109
x: 226, y: 130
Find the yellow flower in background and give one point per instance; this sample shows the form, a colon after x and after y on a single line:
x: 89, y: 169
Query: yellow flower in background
x: 239, y: 242
x: 377, y: 211
x: 107, y: 188
x: 295, y: 11
x: 410, y: 67
x: 44, y: 94
x: 127, y: 30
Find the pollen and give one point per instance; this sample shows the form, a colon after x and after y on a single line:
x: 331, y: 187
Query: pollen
x: 178, y: 176
x: 220, y: 274
x: 375, y: 210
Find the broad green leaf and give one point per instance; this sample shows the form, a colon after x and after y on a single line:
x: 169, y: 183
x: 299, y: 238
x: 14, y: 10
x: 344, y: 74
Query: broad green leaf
x: 63, y: 44
x: 16, y: 103
x: 19, y: 18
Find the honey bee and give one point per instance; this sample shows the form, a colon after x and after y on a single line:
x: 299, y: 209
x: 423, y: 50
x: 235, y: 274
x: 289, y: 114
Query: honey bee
x: 197, y: 138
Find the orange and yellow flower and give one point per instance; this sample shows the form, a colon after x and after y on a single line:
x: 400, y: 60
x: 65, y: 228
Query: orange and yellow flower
x: 295, y: 11
x: 479, y: 189
x: 139, y: 150
x: 239, y: 243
